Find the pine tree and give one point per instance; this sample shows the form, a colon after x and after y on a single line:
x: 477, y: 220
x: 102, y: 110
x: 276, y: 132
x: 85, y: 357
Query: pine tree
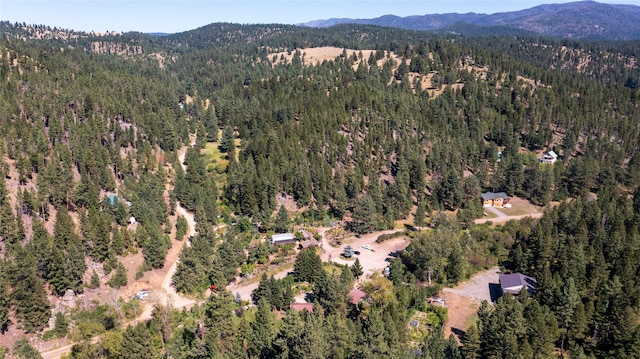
x: 28, y: 296
x: 155, y: 249
x: 329, y: 293
x: 262, y: 332
x: 211, y: 124
x: 75, y: 265
x: 4, y: 305
x: 137, y: 343
x: 117, y: 242
x: 219, y: 321
x: 58, y: 281
x: 346, y: 278
x: 471, y: 343
x: 456, y: 264
x: 371, y: 342
x: 95, y: 280
x: 281, y: 224
x: 40, y: 248
x: 356, y: 268
x: 308, y: 266
x: 364, y: 215
x: 23, y: 350
x: 420, y: 214
x: 61, y: 325
x: 227, y: 143
x: 119, y: 278
x: 190, y: 273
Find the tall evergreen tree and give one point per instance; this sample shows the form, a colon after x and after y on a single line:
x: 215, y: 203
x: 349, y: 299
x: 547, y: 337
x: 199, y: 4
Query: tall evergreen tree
x: 282, y: 224
x: 364, y: 216
x: 28, y: 296
x: 4, y: 304
x: 227, y: 143
x: 262, y: 332
x: 308, y: 266
x: 137, y: 343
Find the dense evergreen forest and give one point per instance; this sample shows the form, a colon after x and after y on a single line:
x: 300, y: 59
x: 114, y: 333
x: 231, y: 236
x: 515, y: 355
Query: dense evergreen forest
x: 399, y: 125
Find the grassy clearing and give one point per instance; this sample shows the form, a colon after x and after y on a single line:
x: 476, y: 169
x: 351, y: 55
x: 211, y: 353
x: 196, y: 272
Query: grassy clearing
x: 273, y: 271
x: 216, y: 161
x: 489, y: 214
x: 513, y: 211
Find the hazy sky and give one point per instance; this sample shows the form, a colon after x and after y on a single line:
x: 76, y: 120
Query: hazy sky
x: 176, y: 16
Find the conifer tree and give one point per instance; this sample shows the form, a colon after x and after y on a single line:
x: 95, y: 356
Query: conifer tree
x: 364, y: 215
x: 471, y: 343
x: 262, y: 332
x: 4, y: 304
x: 219, y: 321
x: 356, y: 268
x: 281, y: 224
x: 23, y: 350
x: 211, y: 124
x: 28, y: 296
x: 119, y: 278
x: 308, y: 266
x: 95, y: 280
x: 137, y: 343
x: 227, y: 143
x: 56, y: 276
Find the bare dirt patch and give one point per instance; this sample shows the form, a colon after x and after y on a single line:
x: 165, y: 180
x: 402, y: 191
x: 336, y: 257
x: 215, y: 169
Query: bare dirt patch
x: 464, y: 300
x: 372, y: 260
x: 316, y: 55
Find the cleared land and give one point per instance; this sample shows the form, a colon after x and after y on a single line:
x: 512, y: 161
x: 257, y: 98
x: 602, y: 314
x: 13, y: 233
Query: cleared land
x: 520, y: 208
x: 464, y: 300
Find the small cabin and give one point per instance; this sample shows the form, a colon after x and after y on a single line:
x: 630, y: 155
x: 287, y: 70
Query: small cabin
x: 548, y: 158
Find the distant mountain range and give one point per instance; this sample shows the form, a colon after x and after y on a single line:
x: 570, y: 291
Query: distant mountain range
x: 576, y: 20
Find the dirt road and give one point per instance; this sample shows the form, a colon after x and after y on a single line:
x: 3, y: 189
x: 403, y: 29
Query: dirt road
x: 57, y: 353
x: 371, y: 260
x: 165, y: 294
x: 508, y: 218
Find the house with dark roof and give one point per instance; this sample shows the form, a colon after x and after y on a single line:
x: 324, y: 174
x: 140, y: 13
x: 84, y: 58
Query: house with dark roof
x: 514, y: 283
x: 492, y: 199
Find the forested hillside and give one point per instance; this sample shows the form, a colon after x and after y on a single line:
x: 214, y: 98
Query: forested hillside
x: 394, y: 129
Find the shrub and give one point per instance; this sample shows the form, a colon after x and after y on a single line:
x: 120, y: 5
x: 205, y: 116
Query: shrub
x: 385, y: 237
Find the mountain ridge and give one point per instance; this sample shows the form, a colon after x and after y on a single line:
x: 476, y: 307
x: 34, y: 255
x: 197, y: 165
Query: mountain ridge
x: 576, y: 20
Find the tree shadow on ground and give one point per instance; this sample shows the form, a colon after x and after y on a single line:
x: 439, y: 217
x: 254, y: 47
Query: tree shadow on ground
x: 458, y: 333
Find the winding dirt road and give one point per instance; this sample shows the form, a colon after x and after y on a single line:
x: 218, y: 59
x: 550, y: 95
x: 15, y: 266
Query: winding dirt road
x: 508, y: 218
x: 166, y: 294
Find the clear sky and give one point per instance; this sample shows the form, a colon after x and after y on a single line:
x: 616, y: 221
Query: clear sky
x: 172, y: 16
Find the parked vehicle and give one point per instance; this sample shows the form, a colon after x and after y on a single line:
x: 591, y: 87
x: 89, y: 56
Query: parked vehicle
x: 142, y: 294
x: 366, y: 246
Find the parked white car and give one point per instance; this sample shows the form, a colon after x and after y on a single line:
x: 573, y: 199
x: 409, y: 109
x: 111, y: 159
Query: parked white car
x: 366, y: 246
x: 142, y: 295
